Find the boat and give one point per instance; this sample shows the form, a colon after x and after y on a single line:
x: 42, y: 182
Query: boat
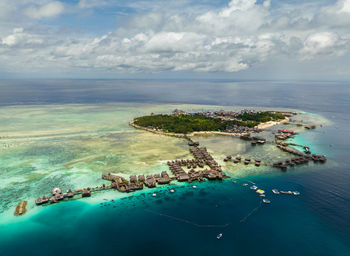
x: 253, y: 187
x: 219, y: 236
x: 154, y: 194
x: 275, y: 191
x: 296, y: 193
x: 194, y: 186
x: 260, y: 191
x: 286, y: 192
x: 245, y: 184
x: 262, y: 195
x: 38, y: 201
x: 172, y: 190
x: 234, y: 181
x: 266, y: 201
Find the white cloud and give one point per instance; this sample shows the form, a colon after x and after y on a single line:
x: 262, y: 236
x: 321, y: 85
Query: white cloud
x: 22, y: 39
x: 235, y: 37
x: 90, y: 3
x: 48, y: 10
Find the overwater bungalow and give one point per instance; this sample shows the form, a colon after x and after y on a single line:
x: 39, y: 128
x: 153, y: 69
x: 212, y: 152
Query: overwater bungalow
x: 141, y: 178
x: 133, y: 179
x: 86, y: 192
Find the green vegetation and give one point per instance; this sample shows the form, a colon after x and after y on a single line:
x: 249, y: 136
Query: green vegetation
x: 189, y: 123
x: 261, y: 117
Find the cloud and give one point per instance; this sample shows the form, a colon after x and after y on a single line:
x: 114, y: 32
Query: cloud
x: 48, y: 10
x: 19, y: 38
x: 91, y: 3
x: 231, y: 38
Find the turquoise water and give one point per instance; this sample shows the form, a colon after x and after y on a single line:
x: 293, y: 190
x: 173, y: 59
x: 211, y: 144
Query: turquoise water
x: 186, y: 222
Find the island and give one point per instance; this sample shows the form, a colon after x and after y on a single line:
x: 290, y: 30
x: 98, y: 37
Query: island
x: 181, y: 123
x: 246, y: 124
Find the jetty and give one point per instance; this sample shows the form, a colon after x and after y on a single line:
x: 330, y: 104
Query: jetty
x: 209, y: 170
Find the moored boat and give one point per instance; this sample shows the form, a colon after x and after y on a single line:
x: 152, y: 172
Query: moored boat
x: 286, y: 192
x: 266, y: 201
x: 219, y: 236
x: 260, y: 191
x: 275, y: 191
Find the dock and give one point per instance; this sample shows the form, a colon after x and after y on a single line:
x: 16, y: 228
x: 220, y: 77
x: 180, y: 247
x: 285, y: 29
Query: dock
x: 210, y: 170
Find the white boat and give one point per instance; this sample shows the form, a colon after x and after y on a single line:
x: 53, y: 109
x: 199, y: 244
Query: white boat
x: 219, y: 236
x: 194, y: 186
x: 245, y: 184
x: 260, y: 191
x: 253, y: 187
x: 234, y: 181
x: 266, y: 201
x: 172, y: 190
x: 154, y: 194
x: 262, y: 195
x: 275, y: 191
x: 286, y: 192
x: 296, y: 193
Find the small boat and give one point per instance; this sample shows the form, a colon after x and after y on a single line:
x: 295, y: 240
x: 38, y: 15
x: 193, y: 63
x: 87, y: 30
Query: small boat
x: 266, y: 201
x: 275, y: 191
x: 172, y: 190
x: 219, y: 236
x: 253, y: 187
x: 194, y: 186
x: 260, y: 191
x: 234, y: 181
x: 286, y: 192
x: 296, y: 193
x: 38, y: 201
x: 245, y: 184
x: 262, y: 195
x: 154, y: 194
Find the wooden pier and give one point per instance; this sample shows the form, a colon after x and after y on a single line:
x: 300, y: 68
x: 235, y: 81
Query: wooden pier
x: 201, y: 159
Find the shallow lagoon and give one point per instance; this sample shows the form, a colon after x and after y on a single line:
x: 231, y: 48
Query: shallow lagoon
x: 316, y: 223
x: 70, y: 146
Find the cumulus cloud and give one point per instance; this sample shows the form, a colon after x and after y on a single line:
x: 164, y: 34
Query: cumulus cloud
x: 48, y: 10
x: 231, y: 38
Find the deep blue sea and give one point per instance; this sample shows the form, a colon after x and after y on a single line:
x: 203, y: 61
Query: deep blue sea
x: 186, y: 222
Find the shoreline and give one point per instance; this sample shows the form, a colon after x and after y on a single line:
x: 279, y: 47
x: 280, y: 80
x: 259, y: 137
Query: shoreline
x: 261, y: 126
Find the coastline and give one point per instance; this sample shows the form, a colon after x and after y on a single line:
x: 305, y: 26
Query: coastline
x: 261, y: 126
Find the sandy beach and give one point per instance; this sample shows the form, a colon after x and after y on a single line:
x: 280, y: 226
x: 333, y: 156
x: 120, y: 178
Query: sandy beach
x: 261, y: 126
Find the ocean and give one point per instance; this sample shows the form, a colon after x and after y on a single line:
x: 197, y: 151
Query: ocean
x: 187, y: 221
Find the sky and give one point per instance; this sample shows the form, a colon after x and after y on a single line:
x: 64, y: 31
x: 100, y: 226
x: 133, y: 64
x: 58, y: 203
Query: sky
x: 237, y: 39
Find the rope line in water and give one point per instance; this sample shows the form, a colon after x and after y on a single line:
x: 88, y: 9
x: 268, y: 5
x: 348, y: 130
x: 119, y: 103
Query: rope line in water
x: 189, y: 222
x: 254, y: 210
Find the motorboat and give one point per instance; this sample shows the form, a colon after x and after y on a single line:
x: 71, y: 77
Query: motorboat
x: 219, y: 236
x: 296, y: 193
x: 275, y: 191
x: 286, y: 192
x: 260, y: 191
x: 253, y: 187
x: 266, y: 201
